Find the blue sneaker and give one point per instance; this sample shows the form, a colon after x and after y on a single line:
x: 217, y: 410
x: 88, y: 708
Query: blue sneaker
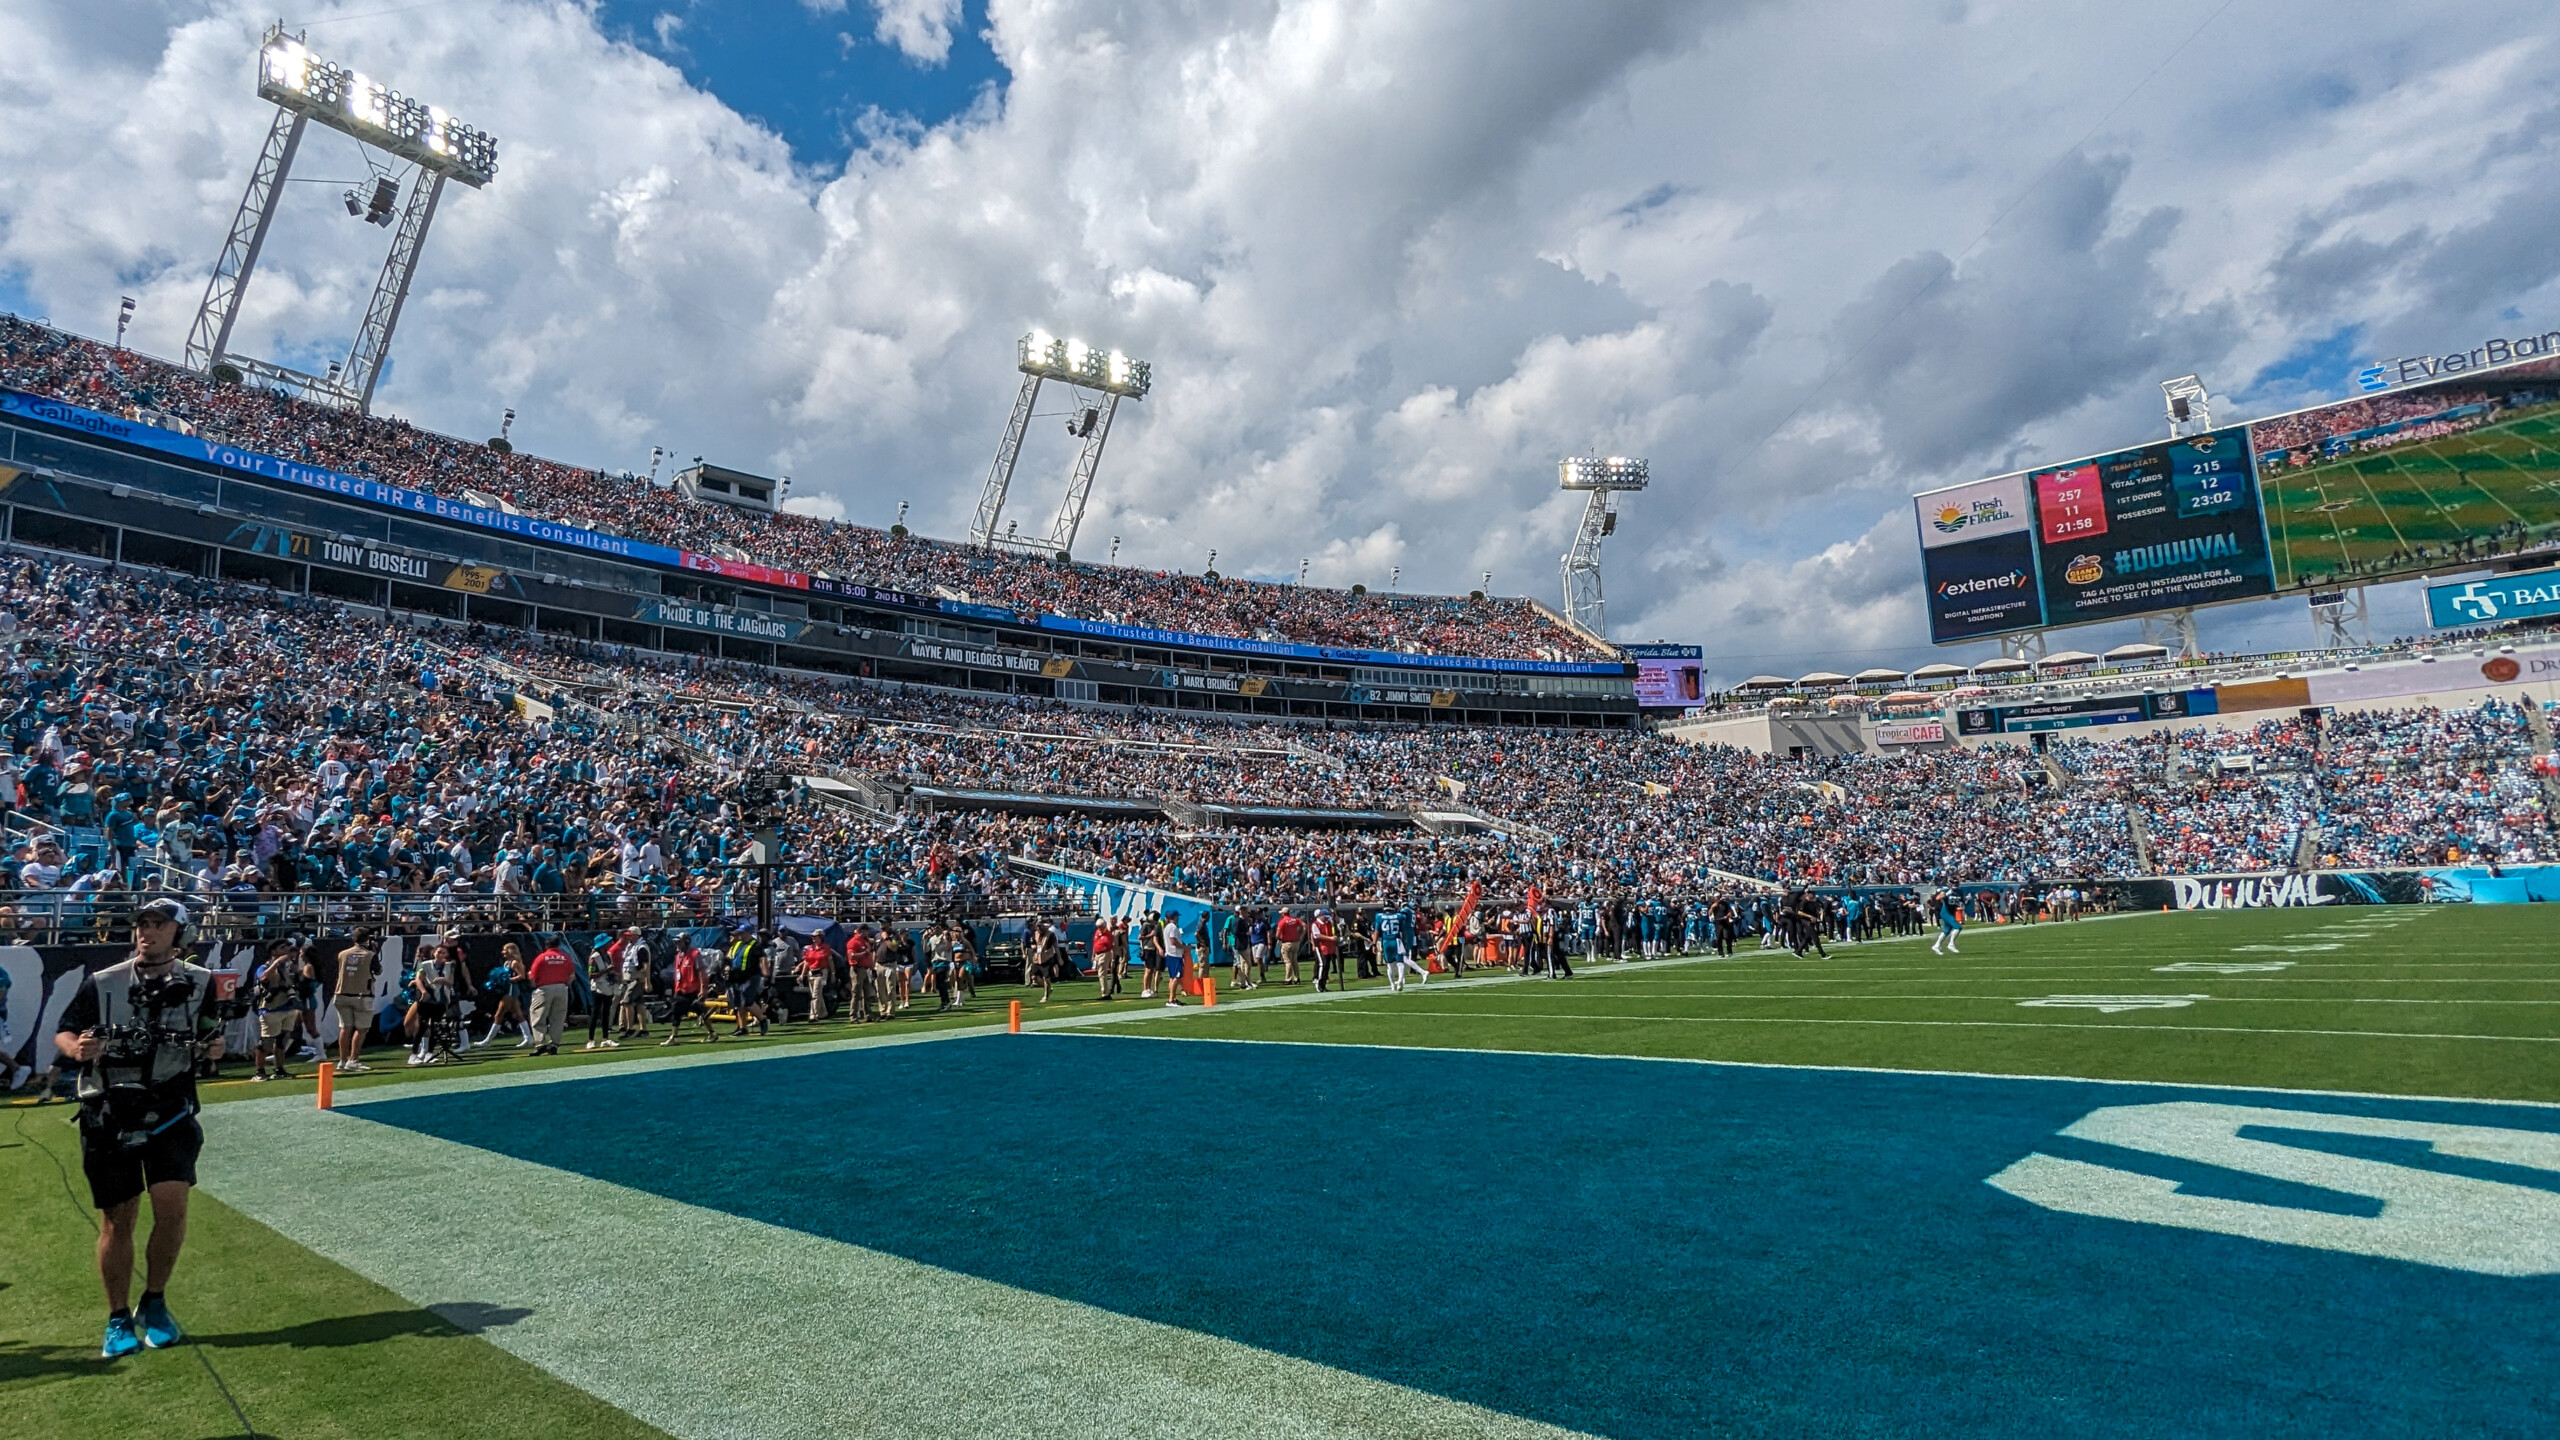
x: 121, y: 1340
x: 159, y: 1327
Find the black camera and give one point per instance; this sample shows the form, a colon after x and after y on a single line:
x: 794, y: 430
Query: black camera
x: 126, y: 1086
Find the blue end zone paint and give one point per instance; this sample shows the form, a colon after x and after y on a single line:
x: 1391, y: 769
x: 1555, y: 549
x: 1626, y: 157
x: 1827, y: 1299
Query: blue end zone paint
x: 1635, y: 1249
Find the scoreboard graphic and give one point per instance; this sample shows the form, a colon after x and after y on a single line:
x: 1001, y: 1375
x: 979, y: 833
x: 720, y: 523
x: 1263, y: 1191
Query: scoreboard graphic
x: 2155, y: 528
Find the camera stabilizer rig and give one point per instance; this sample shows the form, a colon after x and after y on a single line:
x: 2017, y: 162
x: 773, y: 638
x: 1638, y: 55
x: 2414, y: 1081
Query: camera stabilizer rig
x: 140, y: 1057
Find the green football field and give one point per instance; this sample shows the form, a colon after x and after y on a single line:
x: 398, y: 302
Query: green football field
x: 348, y: 1329
x: 2340, y: 519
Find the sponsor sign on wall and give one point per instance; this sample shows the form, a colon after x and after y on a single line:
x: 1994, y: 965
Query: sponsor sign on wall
x: 1982, y: 587
x: 1911, y: 732
x: 2525, y: 596
x: 723, y: 622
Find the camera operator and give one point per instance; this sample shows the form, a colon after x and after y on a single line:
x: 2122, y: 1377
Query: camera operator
x: 137, y: 1029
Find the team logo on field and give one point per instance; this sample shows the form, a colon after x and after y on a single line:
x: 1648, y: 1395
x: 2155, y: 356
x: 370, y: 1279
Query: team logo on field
x: 2110, y: 1004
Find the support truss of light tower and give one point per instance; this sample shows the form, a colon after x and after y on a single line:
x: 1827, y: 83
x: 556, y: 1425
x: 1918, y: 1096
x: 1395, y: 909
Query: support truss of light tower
x: 1110, y: 377
x: 1605, y: 478
x: 304, y: 88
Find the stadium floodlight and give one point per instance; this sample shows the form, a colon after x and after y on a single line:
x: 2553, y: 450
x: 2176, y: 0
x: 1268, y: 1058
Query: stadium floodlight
x: 301, y: 83
x: 1041, y: 356
x: 1602, y: 477
x: 305, y: 88
x: 1602, y: 472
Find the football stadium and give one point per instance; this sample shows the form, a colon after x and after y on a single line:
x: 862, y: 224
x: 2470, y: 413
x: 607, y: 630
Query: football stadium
x: 493, y: 944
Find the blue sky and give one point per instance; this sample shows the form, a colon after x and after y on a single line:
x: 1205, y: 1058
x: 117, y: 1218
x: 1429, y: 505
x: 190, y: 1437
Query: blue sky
x: 807, y: 74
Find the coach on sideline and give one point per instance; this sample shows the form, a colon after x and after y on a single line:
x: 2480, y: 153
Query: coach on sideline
x: 138, y: 1130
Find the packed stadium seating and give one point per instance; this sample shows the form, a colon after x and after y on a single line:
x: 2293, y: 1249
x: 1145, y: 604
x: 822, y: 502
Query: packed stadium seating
x: 172, y: 732
x: 49, y: 362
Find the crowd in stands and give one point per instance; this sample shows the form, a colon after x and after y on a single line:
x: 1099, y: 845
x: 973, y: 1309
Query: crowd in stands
x: 50, y: 362
x: 168, y: 732
x: 2302, y: 436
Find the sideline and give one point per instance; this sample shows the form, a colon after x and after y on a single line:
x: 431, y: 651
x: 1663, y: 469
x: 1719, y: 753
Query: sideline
x: 706, y: 1056
x: 2137, y: 1027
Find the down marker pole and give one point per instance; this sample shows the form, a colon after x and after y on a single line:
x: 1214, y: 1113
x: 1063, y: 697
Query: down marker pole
x: 1013, y: 1017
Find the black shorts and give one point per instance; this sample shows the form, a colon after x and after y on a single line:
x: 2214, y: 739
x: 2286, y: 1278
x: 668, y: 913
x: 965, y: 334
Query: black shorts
x: 118, y: 1173
x: 680, y: 1004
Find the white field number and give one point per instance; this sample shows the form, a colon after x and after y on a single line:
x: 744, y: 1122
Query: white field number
x: 2110, y: 1004
x: 2457, y: 1222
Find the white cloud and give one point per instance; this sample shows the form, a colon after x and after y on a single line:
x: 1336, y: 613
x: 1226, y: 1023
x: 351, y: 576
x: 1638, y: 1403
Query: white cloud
x: 921, y: 29
x: 1390, y: 259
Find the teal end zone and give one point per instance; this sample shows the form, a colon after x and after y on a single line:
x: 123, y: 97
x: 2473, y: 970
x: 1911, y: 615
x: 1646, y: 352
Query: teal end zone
x: 1630, y: 1248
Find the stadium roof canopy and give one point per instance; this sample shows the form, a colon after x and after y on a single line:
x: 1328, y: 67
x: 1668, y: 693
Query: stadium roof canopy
x: 1879, y: 676
x: 2138, y: 651
x: 1938, y: 671
x: 2001, y: 666
x: 1823, y: 677
x: 2061, y: 658
x: 1766, y: 682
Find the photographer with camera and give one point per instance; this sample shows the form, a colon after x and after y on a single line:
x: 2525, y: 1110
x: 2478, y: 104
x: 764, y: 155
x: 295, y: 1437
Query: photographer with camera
x: 137, y: 1030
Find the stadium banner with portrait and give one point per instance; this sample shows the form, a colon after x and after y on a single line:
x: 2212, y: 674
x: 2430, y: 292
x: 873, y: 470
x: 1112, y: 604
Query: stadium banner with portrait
x: 2427, y: 478
x: 2157, y: 527
x: 1668, y: 677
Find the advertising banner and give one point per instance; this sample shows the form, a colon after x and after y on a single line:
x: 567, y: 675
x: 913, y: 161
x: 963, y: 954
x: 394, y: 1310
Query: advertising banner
x: 1911, y: 732
x: 1121, y: 900
x: 743, y: 570
x: 2154, y: 528
x: 1280, y: 648
x: 745, y: 625
x: 1975, y: 511
x: 1668, y: 677
x: 2448, y: 885
x: 269, y: 467
x: 2526, y: 596
x: 1982, y: 587
x: 2414, y: 480
x: 2086, y: 711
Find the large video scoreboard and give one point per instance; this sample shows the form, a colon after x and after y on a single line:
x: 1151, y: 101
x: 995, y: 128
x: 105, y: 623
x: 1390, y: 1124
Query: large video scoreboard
x: 2421, y: 480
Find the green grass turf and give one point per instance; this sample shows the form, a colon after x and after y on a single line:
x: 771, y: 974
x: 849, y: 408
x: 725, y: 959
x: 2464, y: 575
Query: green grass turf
x: 307, y: 1348
x: 2366, y: 508
x: 2449, y: 1001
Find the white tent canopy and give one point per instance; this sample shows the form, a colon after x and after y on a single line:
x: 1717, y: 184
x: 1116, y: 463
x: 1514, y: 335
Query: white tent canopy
x: 1879, y: 677
x: 1822, y: 677
x: 2002, y: 666
x: 1767, y: 682
x: 2138, y: 651
x: 2067, y: 657
x: 1938, y: 671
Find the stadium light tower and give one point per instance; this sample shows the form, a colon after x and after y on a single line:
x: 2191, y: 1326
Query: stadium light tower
x: 1111, y: 377
x: 1605, y: 478
x: 303, y: 88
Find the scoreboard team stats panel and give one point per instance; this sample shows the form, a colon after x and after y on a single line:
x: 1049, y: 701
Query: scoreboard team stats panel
x: 2415, y: 481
